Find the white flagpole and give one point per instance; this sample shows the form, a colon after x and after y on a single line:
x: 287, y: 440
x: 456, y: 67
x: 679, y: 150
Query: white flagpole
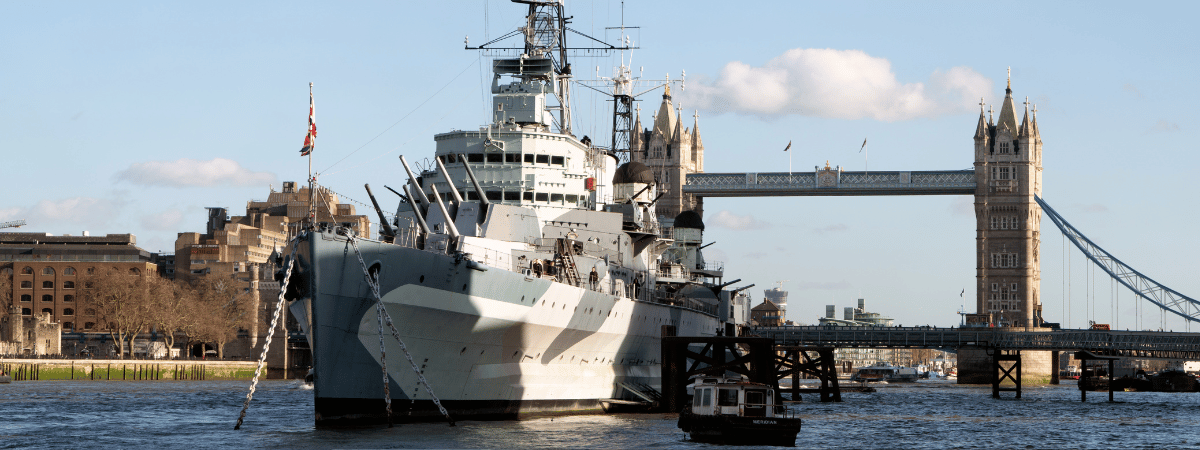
x: 788, y: 151
x: 866, y: 153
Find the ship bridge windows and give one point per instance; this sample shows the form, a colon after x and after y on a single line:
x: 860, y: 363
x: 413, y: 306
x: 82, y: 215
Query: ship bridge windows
x: 475, y: 157
x: 528, y: 158
x: 572, y: 199
x: 527, y: 196
x: 557, y: 160
x: 493, y: 195
x: 556, y: 197
x: 542, y: 159
x: 471, y: 195
x: 512, y: 196
x: 495, y: 157
x: 542, y: 197
x: 512, y: 157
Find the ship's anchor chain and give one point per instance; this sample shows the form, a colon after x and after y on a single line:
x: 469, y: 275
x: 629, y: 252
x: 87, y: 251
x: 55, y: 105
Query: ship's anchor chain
x: 262, y: 360
x: 384, y: 317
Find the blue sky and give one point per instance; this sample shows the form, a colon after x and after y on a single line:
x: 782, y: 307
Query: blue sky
x: 131, y: 117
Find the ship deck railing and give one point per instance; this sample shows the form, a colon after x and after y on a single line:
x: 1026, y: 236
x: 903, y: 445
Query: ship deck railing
x: 409, y: 236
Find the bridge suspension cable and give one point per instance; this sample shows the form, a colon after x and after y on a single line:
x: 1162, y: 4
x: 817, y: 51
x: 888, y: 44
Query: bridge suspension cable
x: 1166, y: 298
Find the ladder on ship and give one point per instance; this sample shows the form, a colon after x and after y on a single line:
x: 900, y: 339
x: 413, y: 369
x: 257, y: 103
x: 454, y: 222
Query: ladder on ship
x: 570, y: 272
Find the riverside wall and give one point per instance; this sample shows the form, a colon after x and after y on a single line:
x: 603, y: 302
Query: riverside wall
x: 131, y: 370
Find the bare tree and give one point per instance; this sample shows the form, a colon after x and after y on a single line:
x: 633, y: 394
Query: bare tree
x: 6, y: 289
x: 121, y: 301
x: 171, y: 308
x: 6, y: 299
x: 227, y: 311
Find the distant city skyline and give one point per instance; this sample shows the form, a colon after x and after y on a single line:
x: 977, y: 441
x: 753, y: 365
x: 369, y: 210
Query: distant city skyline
x: 133, y: 117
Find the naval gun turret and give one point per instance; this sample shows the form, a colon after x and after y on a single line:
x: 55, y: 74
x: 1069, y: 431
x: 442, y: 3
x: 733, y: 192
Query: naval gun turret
x: 634, y: 193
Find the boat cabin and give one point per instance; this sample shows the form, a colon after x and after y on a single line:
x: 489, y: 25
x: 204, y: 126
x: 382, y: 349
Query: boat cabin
x: 736, y: 411
x: 729, y: 396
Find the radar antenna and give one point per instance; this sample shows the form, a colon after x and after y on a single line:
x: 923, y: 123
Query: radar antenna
x: 545, y: 38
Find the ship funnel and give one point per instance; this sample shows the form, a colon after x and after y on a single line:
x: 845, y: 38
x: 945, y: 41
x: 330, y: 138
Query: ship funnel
x: 830, y: 313
x: 849, y: 313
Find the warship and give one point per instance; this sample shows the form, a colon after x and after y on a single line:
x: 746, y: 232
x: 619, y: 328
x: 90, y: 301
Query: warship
x: 525, y: 271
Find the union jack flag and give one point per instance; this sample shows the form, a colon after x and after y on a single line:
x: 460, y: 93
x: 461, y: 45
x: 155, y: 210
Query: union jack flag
x: 310, y: 139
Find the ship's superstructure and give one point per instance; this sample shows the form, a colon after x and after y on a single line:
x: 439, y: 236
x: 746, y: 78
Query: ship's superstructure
x: 526, y: 272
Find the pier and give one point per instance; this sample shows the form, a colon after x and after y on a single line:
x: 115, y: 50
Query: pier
x: 125, y: 369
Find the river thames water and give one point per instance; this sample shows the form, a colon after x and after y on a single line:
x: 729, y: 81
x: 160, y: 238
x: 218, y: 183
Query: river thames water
x: 924, y: 415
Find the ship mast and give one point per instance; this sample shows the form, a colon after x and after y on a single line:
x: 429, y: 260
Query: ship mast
x: 545, y: 37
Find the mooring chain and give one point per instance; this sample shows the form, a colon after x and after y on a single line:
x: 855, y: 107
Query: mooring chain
x: 387, y: 394
x: 262, y: 360
x: 387, y: 318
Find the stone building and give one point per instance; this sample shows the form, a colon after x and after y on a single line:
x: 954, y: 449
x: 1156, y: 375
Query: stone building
x: 671, y: 152
x: 29, y: 335
x: 1008, y: 173
x: 45, y: 272
x: 240, y: 248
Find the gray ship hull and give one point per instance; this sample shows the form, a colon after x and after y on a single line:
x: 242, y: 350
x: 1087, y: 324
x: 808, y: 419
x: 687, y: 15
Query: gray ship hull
x: 493, y: 343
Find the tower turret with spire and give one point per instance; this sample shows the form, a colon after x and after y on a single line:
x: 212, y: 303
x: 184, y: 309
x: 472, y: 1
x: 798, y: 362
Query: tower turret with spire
x: 671, y: 151
x: 1008, y: 174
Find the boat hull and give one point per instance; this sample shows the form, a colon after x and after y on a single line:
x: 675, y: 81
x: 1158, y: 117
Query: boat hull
x: 740, y: 430
x: 492, y: 343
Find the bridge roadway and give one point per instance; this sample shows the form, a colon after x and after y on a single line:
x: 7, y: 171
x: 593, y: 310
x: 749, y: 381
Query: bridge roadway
x: 1124, y: 344
x: 831, y: 182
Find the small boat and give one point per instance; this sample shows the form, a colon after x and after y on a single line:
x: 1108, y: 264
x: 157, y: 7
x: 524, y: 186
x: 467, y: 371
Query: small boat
x: 885, y: 373
x: 734, y: 411
x: 5, y: 378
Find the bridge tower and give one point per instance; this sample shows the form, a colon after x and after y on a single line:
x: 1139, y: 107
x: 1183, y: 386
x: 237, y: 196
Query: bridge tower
x: 671, y: 151
x: 1008, y: 174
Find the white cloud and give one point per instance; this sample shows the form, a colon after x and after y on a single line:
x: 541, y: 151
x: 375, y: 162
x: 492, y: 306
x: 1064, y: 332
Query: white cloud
x: 168, y: 220
x: 831, y: 228
x: 843, y: 84
x: 726, y: 219
x: 823, y: 285
x: 75, y: 211
x: 1129, y: 87
x: 1165, y: 126
x: 190, y: 172
x: 963, y: 206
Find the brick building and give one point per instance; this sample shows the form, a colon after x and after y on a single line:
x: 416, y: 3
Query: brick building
x: 45, y: 272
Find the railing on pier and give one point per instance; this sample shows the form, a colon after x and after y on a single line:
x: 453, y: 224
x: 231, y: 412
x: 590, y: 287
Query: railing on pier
x: 835, y: 182
x: 1132, y: 344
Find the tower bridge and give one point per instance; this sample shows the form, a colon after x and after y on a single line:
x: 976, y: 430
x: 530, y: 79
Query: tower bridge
x: 1006, y: 182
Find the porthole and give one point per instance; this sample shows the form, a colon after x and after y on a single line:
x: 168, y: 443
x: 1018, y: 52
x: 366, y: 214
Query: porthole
x: 464, y: 287
x: 422, y: 279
